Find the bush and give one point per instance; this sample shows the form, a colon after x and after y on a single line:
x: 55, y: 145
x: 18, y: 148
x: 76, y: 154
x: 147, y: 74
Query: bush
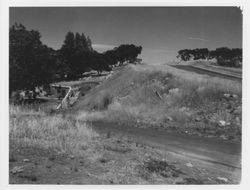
x: 228, y: 62
x: 224, y: 56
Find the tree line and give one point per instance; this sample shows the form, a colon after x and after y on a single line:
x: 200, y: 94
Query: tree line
x: 223, y: 55
x: 32, y: 63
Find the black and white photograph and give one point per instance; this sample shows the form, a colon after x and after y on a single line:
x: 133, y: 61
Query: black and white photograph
x: 125, y: 95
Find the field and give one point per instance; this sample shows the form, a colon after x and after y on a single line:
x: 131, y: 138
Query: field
x: 67, y: 147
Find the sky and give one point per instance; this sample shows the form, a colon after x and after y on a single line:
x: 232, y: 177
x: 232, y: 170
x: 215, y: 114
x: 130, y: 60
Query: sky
x: 161, y: 31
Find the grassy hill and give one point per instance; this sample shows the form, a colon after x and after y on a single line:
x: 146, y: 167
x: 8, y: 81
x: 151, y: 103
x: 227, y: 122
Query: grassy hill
x: 167, y: 98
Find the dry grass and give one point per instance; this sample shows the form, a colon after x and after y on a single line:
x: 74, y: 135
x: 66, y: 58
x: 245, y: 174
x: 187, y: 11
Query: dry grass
x: 101, y: 101
x: 184, y: 96
x: 115, y: 160
x: 35, y: 129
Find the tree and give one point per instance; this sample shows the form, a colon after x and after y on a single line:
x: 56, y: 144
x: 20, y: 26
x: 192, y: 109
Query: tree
x: 237, y: 54
x: 199, y: 53
x: 75, y: 54
x: 123, y: 53
x: 224, y: 56
x: 31, y: 62
x: 228, y: 57
x: 184, y: 54
x: 89, y: 44
x: 195, y: 54
x: 111, y: 57
x: 99, y: 62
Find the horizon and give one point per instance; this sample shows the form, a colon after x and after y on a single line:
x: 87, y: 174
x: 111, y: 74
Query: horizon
x: 161, y: 31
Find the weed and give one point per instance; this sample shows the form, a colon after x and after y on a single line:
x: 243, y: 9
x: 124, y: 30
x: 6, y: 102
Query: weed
x: 162, y: 167
x: 35, y: 129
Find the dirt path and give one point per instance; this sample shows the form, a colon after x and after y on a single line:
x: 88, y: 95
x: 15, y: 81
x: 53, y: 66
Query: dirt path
x: 207, y: 72
x: 211, y: 151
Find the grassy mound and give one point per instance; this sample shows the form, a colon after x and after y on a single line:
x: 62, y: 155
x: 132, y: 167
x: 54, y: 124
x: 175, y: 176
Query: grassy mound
x: 164, y: 97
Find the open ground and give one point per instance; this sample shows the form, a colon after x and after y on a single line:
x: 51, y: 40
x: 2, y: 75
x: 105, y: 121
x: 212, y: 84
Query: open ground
x: 141, y: 124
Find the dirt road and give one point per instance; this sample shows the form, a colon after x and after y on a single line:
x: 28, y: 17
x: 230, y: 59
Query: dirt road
x: 206, y: 72
x: 211, y: 151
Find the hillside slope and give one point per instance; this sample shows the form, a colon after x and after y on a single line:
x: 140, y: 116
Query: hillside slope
x: 167, y: 98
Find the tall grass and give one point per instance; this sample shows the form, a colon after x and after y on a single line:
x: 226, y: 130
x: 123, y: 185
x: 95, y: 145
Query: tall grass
x: 30, y: 128
x: 101, y: 101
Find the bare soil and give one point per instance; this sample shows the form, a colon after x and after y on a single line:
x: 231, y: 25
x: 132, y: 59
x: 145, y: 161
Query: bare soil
x: 120, y: 160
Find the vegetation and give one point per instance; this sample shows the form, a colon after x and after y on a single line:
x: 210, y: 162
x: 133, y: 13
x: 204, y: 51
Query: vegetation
x: 74, y: 55
x: 224, y: 56
x: 61, y: 146
x: 36, y: 129
x: 34, y: 64
x: 123, y: 53
x: 169, y: 99
x: 53, y: 149
x: 187, y: 54
x: 31, y: 62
